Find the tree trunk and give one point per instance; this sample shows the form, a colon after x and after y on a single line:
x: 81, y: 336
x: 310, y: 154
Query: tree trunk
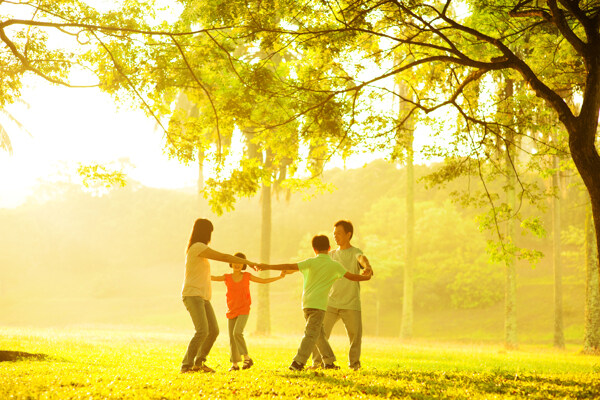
x: 263, y: 318
x: 263, y: 304
x: 586, y: 159
x: 582, y: 131
x: 510, y: 302
x: 559, y: 337
x: 592, y: 181
x: 406, y: 329
x: 405, y: 142
x: 591, y: 343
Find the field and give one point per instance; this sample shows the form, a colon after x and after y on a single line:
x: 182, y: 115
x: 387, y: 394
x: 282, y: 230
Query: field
x: 128, y: 364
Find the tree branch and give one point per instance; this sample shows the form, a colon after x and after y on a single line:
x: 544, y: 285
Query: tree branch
x: 132, y: 86
x: 191, y: 70
x: 561, y: 23
x: 27, y: 65
x: 104, y: 28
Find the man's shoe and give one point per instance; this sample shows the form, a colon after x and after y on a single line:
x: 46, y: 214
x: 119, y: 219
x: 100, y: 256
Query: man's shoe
x: 355, y: 366
x: 315, y: 366
x: 186, y: 370
x: 330, y: 366
x: 247, y: 363
x: 296, y: 366
x: 202, y: 368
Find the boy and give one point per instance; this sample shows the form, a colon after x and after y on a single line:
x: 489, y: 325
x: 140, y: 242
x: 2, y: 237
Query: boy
x: 319, y: 274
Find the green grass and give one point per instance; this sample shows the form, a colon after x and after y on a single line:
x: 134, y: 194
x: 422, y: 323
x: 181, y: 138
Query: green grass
x: 130, y: 364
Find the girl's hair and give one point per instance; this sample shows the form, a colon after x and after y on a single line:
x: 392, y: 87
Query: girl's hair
x: 240, y: 255
x: 201, y: 232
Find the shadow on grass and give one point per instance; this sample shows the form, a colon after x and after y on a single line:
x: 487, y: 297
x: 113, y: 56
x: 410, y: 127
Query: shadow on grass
x: 7, y: 355
x: 440, y: 384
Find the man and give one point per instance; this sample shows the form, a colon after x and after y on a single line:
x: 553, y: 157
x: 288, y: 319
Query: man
x: 344, y: 297
x: 319, y: 274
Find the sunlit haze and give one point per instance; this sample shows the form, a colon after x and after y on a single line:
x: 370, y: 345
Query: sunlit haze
x: 67, y: 126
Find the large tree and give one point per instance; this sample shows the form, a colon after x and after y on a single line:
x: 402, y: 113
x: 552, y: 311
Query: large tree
x: 552, y: 47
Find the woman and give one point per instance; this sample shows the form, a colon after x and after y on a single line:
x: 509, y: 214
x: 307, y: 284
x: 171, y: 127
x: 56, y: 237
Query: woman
x: 196, y: 295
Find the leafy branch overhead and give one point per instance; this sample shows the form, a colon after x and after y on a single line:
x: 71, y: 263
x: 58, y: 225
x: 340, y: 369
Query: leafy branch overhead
x: 302, y: 80
x: 502, y: 71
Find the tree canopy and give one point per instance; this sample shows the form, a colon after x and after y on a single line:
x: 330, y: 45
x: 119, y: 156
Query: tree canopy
x: 315, y: 78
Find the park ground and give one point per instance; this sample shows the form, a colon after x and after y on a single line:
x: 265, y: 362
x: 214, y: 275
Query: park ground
x: 128, y: 363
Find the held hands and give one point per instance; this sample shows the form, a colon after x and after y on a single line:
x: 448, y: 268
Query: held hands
x: 252, y: 265
x: 364, y: 264
x: 261, y: 267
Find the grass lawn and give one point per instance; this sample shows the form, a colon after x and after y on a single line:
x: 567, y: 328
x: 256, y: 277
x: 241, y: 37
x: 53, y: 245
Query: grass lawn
x: 132, y: 364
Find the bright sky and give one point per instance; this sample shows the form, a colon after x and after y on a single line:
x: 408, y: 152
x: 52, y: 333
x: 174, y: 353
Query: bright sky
x: 72, y: 126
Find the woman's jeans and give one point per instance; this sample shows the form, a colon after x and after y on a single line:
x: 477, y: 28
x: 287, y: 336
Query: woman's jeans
x: 207, y: 330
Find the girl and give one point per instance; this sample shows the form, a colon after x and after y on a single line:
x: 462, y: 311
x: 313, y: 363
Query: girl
x: 196, y: 294
x: 238, y: 309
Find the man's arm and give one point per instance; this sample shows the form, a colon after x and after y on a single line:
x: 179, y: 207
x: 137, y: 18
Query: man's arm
x: 365, y: 276
x: 278, y: 267
x: 267, y: 280
x: 364, y: 263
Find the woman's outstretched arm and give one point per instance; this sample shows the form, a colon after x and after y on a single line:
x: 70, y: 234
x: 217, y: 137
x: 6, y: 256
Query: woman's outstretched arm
x: 224, y: 257
x: 278, y: 267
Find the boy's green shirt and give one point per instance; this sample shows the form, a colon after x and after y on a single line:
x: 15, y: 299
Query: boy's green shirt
x: 319, y: 274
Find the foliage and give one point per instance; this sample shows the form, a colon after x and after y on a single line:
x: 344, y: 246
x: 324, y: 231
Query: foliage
x: 95, y: 175
x: 451, y: 265
x: 477, y: 66
x: 49, y: 38
x: 132, y: 364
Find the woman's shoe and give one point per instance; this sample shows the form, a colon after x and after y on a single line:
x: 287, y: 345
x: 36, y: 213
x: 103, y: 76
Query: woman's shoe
x: 247, y: 363
x: 234, y: 368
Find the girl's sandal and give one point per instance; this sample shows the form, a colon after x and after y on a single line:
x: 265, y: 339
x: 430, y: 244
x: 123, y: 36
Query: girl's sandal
x: 247, y: 363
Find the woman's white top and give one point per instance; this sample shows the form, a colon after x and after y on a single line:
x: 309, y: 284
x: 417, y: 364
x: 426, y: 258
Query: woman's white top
x: 197, y: 273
